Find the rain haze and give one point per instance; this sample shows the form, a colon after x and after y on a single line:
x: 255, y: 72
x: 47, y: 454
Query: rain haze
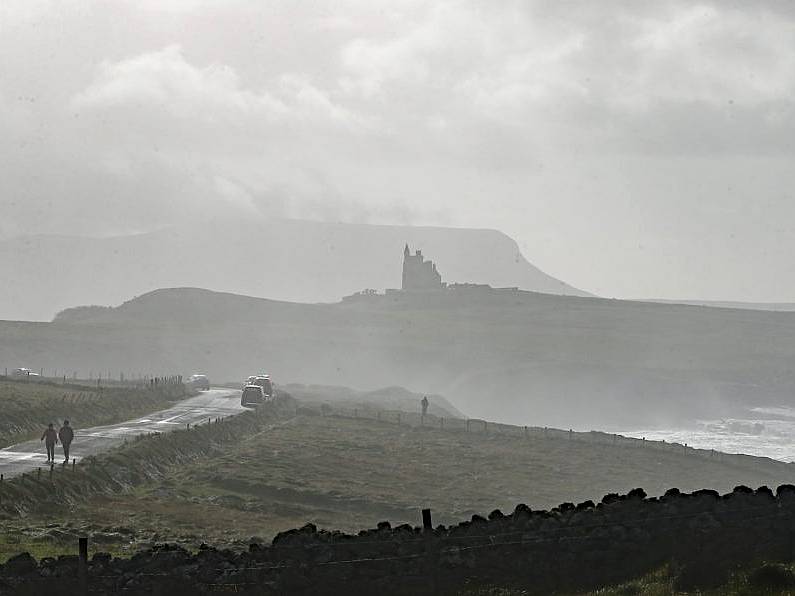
x: 631, y: 149
x: 286, y: 263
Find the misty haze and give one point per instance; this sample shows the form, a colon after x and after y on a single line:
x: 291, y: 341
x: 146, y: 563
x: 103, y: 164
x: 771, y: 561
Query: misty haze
x: 397, y: 297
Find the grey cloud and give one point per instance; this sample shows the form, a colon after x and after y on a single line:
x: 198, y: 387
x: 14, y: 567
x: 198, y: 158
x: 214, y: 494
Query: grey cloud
x: 515, y: 115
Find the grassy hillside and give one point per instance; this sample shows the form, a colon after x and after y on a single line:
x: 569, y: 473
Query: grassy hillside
x: 382, y: 469
x: 386, y: 398
x: 514, y: 356
x: 272, y: 472
x: 28, y: 407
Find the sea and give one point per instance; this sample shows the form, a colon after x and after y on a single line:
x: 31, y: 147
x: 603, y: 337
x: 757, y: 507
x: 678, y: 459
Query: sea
x: 765, y: 432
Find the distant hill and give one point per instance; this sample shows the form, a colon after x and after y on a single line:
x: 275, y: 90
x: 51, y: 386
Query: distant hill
x: 514, y: 356
x: 294, y: 260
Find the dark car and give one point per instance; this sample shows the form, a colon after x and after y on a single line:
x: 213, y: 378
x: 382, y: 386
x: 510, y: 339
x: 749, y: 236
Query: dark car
x: 200, y: 382
x: 252, y: 396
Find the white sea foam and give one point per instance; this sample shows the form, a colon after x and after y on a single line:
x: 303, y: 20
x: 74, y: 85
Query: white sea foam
x: 771, y: 434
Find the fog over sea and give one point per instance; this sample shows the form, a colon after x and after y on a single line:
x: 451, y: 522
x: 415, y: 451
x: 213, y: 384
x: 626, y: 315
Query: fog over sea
x: 765, y: 432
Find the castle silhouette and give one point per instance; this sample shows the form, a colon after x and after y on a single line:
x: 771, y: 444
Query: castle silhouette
x: 419, y: 274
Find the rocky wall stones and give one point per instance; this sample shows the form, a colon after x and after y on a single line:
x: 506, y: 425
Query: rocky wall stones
x: 570, y: 547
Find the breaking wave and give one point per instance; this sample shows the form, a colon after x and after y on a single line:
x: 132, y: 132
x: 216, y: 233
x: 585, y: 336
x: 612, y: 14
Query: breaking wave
x: 767, y: 432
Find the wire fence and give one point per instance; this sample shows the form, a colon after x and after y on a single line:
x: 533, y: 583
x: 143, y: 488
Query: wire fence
x: 100, y: 378
x: 90, y: 378
x: 485, y: 427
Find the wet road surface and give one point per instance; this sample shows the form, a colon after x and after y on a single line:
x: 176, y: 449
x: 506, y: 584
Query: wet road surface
x: 215, y: 403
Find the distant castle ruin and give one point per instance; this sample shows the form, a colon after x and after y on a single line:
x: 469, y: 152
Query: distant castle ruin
x: 419, y: 274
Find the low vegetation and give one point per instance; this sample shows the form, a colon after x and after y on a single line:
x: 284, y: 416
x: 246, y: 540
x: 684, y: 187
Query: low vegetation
x: 244, y: 480
x: 29, y: 406
x: 760, y: 579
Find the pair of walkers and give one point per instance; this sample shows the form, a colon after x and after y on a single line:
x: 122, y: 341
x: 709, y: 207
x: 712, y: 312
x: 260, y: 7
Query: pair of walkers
x: 51, y: 438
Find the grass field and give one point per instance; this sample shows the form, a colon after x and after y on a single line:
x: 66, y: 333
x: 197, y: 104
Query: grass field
x: 345, y: 473
x: 27, y: 407
x: 337, y: 468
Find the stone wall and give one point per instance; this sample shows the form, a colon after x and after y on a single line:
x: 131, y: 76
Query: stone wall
x: 585, y: 546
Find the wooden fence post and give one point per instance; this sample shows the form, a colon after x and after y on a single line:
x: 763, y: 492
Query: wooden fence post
x: 82, y: 563
x: 427, y: 525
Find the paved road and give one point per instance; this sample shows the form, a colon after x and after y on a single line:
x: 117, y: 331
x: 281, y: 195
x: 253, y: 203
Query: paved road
x: 214, y: 403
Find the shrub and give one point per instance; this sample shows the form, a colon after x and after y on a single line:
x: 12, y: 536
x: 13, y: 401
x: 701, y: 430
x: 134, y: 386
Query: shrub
x: 772, y: 577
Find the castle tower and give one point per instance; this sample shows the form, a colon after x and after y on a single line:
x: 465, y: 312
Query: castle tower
x: 419, y: 274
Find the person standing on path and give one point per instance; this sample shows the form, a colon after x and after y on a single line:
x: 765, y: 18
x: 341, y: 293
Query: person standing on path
x: 50, y: 438
x: 66, y: 434
x: 424, y: 403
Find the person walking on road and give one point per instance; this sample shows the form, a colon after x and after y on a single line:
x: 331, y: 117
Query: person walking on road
x: 50, y: 438
x: 66, y: 434
x: 424, y: 403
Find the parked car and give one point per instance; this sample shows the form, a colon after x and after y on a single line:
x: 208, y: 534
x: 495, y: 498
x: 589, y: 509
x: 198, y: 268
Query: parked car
x: 264, y: 381
x: 252, y: 396
x: 200, y: 382
x: 24, y: 372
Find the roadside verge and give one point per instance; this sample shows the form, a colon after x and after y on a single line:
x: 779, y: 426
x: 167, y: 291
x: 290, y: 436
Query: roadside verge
x: 144, y: 458
x: 28, y: 407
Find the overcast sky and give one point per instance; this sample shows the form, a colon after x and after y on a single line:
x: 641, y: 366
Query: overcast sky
x: 632, y: 149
